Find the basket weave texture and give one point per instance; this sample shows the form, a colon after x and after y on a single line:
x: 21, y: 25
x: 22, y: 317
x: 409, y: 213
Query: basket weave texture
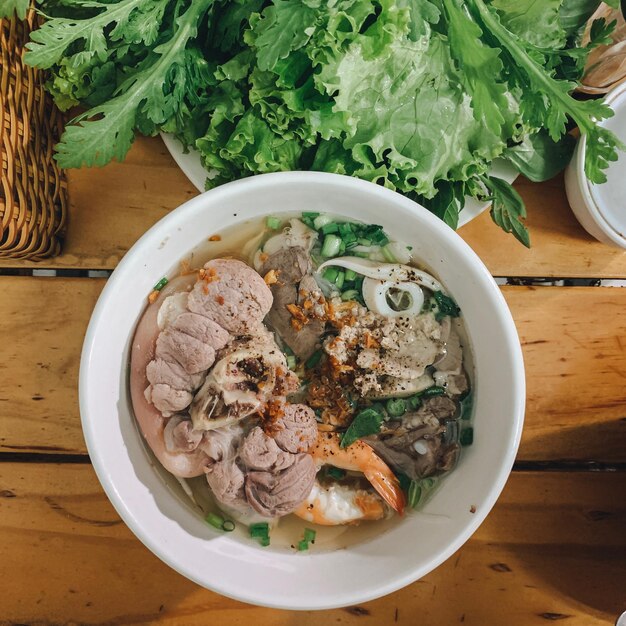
x: 33, y: 190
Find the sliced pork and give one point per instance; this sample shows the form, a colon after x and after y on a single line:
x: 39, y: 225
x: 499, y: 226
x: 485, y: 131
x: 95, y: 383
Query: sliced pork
x: 295, y: 280
x: 248, y: 373
x: 232, y: 294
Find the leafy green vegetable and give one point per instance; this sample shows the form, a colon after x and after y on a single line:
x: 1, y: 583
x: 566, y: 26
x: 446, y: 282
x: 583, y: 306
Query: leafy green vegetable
x: 573, y: 14
x: 366, y: 422
x: 416, y: 95
x: 507, y: 209
x: 553, y: 111
x: 8, y: 8
x: 445, y: 306
x: 537, y: 22
x: 540, y: 158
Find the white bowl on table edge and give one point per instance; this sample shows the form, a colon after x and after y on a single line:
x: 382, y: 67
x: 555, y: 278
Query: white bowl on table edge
x: 190, y: 162
x: 601, y: 209
x: 174, y: 531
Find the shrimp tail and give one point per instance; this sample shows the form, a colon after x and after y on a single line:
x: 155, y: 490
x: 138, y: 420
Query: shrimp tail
x: 388, y: 487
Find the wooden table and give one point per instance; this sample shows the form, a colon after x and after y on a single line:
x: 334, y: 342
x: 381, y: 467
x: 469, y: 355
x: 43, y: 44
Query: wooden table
x: 553, y: 549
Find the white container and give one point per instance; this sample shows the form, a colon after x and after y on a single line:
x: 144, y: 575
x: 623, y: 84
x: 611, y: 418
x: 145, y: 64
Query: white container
x: 601, y: 209
x: 154, y: 506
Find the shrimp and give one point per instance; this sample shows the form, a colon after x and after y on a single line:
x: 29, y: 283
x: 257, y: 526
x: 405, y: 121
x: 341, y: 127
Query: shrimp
x: 330, y: 505
x: 358, y: 457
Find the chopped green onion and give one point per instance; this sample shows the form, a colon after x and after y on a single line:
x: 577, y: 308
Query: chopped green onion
x: 265, y: 541
x: 291, y: 362
x: 404, y: 480
x: 261, y: 529
x: 330, y: 228
x: 364, y: 242
x: 350, y: 274
x: 467, y: 405
x: 217, y: 521
x: 414, y: 402
x: 342, y: 247
x: 361, y: 255
x: 351, y: 244
x: 161, y: 284
x: 310, y: 215
x: 345, y: 228
x: 467, y: 436
x: 335, y: 472
x: 396, y: 407
x: 331, y: 246
x: 314, y: 359
x: 309, y: 534
x: 340, y: 279
x: 303, y: 545
x: 228, y: 526
x: 433, y: 391
x: 330, y: 274
x: 350, y: 294
x: 322, y: 220
x: 273, y: 223
x: 414, y: 495
x: 388, y: 254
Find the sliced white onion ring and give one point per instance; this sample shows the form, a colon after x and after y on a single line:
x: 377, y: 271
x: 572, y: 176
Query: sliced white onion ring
x: 385, y: 271
x: 381, y: 277
x: 375, y: 294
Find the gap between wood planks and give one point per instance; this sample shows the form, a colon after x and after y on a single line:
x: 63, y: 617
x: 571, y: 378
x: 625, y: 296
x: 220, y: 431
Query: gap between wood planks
x: 519, y: 466
x: 514, y: 281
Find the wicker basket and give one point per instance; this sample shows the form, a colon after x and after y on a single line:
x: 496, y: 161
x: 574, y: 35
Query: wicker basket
x: 33, y: 191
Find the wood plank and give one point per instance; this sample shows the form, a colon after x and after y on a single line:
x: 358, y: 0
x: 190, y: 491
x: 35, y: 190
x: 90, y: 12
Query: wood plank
x: 573, y: 341
x: 42, y: 325
x: 111, y: 207
x: 560, y: 246
x: 552, y: 549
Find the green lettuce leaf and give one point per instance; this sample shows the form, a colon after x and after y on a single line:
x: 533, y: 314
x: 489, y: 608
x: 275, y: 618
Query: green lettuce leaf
x: 403, y: 101
x: 8, y: 8
x: 536, y: 21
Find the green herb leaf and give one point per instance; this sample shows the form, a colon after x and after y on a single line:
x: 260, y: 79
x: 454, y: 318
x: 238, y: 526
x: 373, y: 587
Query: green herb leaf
x: 10, y: 7
x: 445, y: 306
x: 367, y: 422
x: 507, y: 209
x: 539, y: 157
x: 481, y: 68
x: 148, y: 96
x: 285, y: 25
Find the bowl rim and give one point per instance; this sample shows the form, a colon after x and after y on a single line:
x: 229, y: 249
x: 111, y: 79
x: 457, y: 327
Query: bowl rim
x: 594, y: 209
x: 124, y: 271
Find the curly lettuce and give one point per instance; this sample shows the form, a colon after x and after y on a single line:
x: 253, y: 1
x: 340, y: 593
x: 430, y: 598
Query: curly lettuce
x: 417, y: 95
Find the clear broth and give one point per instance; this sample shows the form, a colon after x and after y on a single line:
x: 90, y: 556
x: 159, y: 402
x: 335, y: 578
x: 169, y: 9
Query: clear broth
x: 287, y: 530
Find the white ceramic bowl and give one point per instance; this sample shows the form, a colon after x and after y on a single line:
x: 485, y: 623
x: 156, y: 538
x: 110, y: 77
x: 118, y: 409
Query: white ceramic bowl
x: 153, y: 507
x: 601, y: 209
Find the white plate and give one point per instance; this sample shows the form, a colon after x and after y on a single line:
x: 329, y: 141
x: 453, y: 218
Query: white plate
x: 192, y: 167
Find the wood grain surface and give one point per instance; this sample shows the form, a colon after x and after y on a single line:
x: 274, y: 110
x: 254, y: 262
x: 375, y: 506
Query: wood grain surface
x: 111, y: 207
x: 574, y: 342
x: 553, y: 549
